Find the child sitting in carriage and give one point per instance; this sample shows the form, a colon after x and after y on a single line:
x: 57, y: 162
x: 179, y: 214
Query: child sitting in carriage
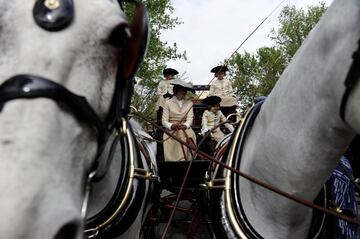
x: 211, y: 118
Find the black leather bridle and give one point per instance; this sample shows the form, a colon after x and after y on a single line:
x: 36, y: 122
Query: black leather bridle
x: 132, y: 50
x: 30, y: 86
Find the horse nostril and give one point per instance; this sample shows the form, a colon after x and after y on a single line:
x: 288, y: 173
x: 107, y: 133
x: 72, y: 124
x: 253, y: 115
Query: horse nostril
x: 6, y: 142
x: 68, y: 231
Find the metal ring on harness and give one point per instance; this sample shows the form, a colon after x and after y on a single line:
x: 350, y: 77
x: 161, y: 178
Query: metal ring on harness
x: 237, y: 121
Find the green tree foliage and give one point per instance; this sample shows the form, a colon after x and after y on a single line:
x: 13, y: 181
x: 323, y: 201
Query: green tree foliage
x: 256, y: 74
x: 295, y: 25
x: 158, y: 53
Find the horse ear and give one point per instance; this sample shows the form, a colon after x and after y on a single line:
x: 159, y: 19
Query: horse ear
x: 135, y: 47
x: 131, y: 55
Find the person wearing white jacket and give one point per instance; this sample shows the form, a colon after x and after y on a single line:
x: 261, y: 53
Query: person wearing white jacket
x: 212, y: 117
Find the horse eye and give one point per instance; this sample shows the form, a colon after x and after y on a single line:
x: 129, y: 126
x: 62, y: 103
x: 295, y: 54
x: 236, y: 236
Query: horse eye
x: 118, y: 35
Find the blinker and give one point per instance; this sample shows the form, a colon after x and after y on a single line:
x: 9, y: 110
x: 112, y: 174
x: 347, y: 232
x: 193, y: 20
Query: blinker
x: 53, y: 15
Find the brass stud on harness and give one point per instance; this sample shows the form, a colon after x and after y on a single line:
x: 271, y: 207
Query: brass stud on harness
x: 52, y: 4
x: 146, y: 175
x: 218, y: 183
x: 54, y: 15
x: 123, y: 127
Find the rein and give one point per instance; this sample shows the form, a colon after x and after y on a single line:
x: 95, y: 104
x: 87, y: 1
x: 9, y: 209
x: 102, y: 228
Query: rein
x: 332, y: 212
x: 184, y: 181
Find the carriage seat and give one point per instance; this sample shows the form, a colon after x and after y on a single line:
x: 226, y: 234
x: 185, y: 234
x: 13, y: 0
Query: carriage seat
x: 172, y: 173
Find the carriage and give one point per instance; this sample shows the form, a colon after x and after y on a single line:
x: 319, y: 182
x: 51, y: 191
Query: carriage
x: 193, y: 190
x: 184, y: 184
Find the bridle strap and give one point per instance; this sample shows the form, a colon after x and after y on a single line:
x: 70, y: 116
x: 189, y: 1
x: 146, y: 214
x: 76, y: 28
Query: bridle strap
x: 30, y: 86
x: 351, y: 80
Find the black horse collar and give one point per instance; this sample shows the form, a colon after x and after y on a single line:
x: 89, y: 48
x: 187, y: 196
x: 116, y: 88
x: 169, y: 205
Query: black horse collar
x: 226, y: 205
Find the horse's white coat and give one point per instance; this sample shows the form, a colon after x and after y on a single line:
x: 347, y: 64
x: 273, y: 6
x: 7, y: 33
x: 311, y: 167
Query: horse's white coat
x: 298, y: 137
x: 45, y: 151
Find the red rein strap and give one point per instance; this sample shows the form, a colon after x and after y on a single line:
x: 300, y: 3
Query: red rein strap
x: 258, y: 182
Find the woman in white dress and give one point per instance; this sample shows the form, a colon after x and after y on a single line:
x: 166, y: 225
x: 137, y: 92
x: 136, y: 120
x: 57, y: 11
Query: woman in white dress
x: 164, y: 90
x: 177, y: 118
x: 222, y: 87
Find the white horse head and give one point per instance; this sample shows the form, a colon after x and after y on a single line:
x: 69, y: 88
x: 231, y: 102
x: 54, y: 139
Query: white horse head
x: 46, y: 152
x: 298, y: 137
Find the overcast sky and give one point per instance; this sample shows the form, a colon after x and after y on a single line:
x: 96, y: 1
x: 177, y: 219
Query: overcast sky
x: 213, y: 29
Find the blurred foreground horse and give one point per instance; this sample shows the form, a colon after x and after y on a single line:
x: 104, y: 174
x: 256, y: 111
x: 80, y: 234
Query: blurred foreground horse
x: 65, y: 157
x: 297, y: 137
